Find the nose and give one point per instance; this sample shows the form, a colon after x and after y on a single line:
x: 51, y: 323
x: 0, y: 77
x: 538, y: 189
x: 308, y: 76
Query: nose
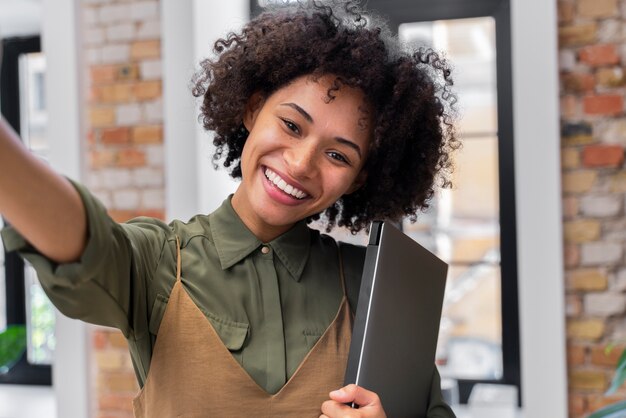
x: 301, y: 159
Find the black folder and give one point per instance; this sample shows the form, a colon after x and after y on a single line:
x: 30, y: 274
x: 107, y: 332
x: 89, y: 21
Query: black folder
x: 396, y: 326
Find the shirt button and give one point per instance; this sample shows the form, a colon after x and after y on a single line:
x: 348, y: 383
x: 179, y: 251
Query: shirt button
x: 265, y: 249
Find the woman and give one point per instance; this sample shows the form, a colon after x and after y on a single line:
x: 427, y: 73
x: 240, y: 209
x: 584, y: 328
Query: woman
x: 246, y: 311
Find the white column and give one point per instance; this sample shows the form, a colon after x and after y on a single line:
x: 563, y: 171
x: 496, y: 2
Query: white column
x: 181, y: 177
x: 61, y: 45
x: 539, y: 216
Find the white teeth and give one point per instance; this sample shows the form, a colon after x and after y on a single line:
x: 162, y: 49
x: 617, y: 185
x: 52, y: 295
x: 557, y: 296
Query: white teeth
x: 283, y: 185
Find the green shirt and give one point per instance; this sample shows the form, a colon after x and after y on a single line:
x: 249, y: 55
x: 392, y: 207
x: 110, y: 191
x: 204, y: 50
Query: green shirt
x: 269, y: 302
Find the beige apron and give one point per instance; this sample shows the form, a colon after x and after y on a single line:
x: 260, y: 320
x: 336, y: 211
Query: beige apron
x: 192, y: 373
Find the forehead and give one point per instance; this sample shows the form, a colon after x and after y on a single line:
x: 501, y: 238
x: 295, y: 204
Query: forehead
x: 326, y: 96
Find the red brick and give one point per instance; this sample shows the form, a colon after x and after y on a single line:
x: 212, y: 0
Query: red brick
x: 576, y: 354
x: 147, y: 90
x: 572, y: 255
x: 578, y: 82
x: 570, y: 106
x: 603, y: 155
x: 119, y: 215
x: 115, y: 93
x: 599, y: 55
x: 115, y: 135
x: 131, y: 158
x: 100, y: 159
x: 577, y: 404
x: 570, y: 207
x: 124, y: 382
x: 99, y: 339
x: 565, y: 11
x: 94, y: 95
x: 597, y: 8
x: 584, y: 34
x: 116, y: 338
x: 600, y: 358
x: 606, y: 104
x: 103, y: 74
x: 145, y: 49
x: 147, y: 134
x: 101, y: 116
x: 611, y: 77
x: 116, y: 402
x: 91, y: 137
x: 588, y: 379
x: 153, y: 213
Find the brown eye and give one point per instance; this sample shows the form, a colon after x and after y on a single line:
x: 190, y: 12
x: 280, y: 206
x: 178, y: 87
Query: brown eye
x: 336, y: 156
x: 291, y: 126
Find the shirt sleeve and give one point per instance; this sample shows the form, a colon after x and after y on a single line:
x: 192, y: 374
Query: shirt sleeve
x: 437, y: 407
x: 109, y: 283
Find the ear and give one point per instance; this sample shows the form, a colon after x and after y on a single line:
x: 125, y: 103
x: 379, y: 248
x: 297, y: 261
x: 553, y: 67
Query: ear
x: 359, y: 181
x: 253, y: 107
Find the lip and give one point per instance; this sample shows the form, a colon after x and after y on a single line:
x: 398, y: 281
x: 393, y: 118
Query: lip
x: 277, y: 194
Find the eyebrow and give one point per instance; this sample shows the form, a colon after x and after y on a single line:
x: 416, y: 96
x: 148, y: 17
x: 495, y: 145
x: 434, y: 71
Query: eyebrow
x: 308, y: 117
x: 299, y: 110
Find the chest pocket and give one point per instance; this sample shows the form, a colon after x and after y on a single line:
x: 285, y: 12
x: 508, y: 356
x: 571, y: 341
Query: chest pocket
x: 233, y: 334
x: 311, y: 337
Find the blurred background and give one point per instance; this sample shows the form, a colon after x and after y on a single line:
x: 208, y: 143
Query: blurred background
x: 532, y: 229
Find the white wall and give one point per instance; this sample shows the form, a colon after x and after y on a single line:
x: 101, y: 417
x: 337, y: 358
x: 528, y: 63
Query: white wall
x: 212, y: 23
x: 189, y: 29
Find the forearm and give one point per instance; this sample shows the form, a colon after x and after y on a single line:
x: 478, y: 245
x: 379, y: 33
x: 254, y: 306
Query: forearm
x: 42, y: 205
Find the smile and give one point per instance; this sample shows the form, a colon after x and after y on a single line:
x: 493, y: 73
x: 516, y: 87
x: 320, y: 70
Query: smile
x: 281, y: 184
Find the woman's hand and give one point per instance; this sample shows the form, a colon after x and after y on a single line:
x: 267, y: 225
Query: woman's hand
x: 368, y: 402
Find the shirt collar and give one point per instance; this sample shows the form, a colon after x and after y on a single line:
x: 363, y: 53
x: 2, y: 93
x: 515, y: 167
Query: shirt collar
x: 234, y: 241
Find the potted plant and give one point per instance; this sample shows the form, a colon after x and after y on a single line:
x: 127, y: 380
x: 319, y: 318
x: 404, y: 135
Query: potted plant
x: 12, y: 346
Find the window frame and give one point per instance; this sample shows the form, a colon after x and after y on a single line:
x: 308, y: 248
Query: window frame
x: 409, y: 11
x: 23, y: 372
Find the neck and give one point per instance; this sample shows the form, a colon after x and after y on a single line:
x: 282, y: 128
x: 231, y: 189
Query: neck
x: 263, y: 231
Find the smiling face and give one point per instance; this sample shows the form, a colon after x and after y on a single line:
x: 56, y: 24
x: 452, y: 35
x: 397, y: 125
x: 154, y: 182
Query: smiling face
x: 302, y: 154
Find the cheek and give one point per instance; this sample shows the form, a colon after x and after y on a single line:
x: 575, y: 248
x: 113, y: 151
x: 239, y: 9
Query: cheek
x: 339, y: 184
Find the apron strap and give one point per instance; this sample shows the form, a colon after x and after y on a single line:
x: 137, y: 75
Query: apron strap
x: 177, y: 258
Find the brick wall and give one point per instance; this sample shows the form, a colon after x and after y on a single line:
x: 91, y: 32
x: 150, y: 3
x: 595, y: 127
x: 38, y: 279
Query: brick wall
x: 123, y: 153
x: 592, y: 56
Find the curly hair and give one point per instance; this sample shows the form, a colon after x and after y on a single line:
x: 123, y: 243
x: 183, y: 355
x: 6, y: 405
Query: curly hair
x: 413, y: 131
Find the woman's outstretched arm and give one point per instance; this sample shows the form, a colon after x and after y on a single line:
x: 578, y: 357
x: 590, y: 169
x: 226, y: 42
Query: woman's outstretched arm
x: 39, y: 203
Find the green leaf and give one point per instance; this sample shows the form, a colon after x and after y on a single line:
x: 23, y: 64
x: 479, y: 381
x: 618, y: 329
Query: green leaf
x: 609, y: 348
x: 617, y: 410
x: 620, y: 374
x: 12, y: 346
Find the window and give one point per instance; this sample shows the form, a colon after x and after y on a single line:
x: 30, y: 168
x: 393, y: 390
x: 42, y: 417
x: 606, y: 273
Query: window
x: 22, y: 301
